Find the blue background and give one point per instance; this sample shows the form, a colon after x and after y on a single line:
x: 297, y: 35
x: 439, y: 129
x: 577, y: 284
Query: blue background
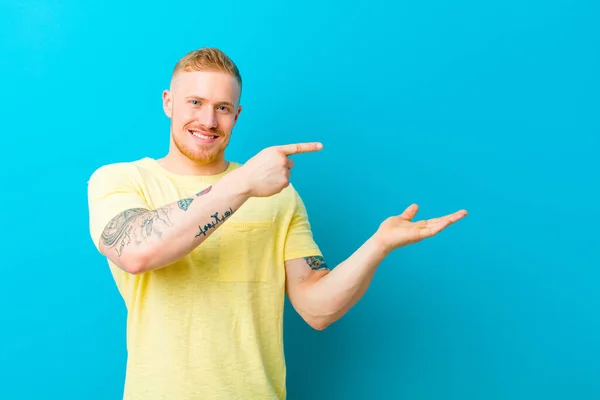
x: 488, y: 106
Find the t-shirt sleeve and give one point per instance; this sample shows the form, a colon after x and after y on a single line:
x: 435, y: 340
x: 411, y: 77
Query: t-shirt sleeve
x: 299, y: 240
x: 112, y: 189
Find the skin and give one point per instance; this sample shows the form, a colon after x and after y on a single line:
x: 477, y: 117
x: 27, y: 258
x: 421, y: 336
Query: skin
x: 322, y: 296
x: 206, y: 101
x: 141, y: 240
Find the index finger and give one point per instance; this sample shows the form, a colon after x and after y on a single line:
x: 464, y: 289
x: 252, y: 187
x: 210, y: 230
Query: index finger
x: 290, y: 149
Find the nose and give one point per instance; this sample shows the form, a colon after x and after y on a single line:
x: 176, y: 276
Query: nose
x: 208, y: 117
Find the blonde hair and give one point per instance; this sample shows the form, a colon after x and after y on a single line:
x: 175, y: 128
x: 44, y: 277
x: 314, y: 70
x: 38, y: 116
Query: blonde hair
x: 208, y: 59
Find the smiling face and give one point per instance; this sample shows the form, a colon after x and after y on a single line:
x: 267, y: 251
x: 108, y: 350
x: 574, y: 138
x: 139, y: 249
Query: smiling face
x: 204, y: 108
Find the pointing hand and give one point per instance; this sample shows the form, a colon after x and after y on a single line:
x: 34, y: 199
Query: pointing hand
x: 268, y: 172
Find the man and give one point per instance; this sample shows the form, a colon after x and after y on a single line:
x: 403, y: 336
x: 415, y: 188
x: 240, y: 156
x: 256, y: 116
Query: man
x: 203, y: 250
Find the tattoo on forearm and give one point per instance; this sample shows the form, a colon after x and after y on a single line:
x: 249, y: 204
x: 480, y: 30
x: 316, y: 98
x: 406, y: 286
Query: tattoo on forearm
x: 203, y: 230
x: 136, y: 224
x: 184, y: 203
x: 316, y: 262
x: 203, y: 192
x: 116, y: 230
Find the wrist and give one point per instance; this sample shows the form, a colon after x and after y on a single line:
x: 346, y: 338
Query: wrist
x: 238, y: 184
x: 380, y: 245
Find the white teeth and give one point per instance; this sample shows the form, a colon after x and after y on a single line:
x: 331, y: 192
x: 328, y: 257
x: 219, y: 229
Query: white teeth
x: 201, y: 136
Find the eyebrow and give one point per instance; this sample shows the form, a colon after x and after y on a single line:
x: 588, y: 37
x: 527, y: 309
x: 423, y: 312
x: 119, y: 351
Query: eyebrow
x: 203, y: 99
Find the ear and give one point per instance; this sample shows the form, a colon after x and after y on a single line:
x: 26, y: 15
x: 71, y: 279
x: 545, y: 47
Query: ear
x: 237, y: 114
x: 168, y: 103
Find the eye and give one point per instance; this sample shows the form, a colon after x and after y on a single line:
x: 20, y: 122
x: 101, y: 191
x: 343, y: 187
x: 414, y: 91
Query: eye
x: 194, y: 102
x: 223, y: 108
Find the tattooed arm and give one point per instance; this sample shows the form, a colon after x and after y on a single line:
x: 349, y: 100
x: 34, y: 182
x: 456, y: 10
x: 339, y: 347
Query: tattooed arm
x: 322, y: 296
x: 139, y: 240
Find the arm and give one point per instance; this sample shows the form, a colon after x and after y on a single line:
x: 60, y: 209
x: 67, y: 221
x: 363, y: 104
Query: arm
x: 322, y: 296
x: 139, y: 240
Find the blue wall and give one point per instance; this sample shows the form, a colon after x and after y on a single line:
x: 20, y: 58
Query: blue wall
x: 488, y: 106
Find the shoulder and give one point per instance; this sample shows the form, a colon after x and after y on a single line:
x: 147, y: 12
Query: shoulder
x: 293, y: 197
x: 289, y: 202
x: 288, y: 197
x: 117, y: 168
x: 115, y: 173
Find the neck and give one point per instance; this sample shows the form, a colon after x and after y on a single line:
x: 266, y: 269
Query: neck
x: 179, y: 164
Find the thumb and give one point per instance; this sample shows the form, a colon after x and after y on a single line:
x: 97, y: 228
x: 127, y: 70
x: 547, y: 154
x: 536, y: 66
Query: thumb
x: 410, y: 212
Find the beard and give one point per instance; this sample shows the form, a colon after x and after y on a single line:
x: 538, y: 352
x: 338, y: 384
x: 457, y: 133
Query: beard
x: 198, y: 152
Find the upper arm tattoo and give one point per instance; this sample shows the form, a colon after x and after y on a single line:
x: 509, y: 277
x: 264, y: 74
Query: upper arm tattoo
x: 135, y: 224
x: 316, y: 263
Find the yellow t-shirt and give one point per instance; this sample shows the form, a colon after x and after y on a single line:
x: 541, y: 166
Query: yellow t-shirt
x: 210, y: 325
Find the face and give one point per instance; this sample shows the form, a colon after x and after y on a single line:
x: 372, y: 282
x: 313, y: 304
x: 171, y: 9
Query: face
x: 203, y: 107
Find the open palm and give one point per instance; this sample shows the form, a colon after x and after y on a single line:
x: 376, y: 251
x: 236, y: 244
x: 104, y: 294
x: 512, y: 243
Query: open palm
x: 400, y: 230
